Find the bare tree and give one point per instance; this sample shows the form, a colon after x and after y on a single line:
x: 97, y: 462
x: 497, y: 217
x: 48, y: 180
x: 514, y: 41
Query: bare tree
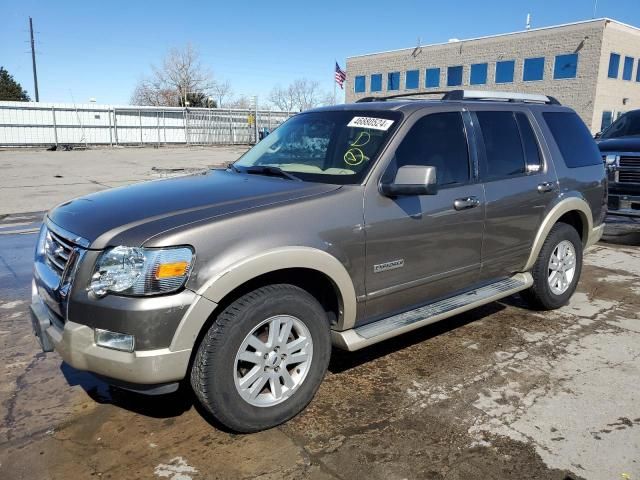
x: 222, y: 90
x: 181, y: 78
x: 301, y: 95
x: 239, y: 102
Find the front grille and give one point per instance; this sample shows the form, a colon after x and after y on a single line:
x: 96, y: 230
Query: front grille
x: 629, y: 170
x: 58, y: 252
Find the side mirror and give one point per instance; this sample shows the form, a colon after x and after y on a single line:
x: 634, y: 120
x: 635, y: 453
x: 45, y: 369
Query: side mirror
x: 412, y: 180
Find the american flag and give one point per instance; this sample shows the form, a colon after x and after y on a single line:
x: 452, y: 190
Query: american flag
x: 341, y: 76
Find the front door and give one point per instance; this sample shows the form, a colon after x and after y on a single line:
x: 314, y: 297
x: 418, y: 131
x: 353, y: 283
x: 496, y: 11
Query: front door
x: 420, y: 248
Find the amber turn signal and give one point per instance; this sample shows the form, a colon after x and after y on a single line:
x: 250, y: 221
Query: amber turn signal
x: 170, y: 270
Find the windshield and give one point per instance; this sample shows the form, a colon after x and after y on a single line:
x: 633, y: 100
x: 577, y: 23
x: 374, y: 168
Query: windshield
x: 628, y: 125
x: 328, y: 147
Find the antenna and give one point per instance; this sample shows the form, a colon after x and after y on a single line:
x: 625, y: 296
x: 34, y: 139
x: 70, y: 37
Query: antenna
x: 595, y: 8
x: 528, y: 21
x: 418, y: 50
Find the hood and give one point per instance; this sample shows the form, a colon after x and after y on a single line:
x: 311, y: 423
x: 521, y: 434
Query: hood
x: 169, y: 203
x: 621, y: 144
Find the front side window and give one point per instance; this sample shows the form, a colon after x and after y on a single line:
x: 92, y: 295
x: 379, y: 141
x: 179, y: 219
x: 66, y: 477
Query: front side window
x: 393, y: 81
x: 627, y: 70
x: 336, y: 147
x: 628, y: 125
x: 614, y: 65
x: 573, y: 139
x: 454, y: 76
x: 376, y: 82
x: 505, y: 71
x: 502, y: 144
x: 432, y: 78
x: 566, y: 66
x: 436, y: 140
x: 478, y: 74
x: 413, y: 79
x: 360, y: 83
x: 533, y: 69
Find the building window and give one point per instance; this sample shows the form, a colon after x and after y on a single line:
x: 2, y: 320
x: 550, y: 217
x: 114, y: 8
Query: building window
x: 478, y: 74
x: 638, y: 72
x: 376, y: 82
x: 393, y: 81
x: 412, y: 79
x: 607, y: 119
x: 533, y: 69
x: 504, y: 71
x: 432, y: 78
x: 454, y: 76
x: 360, y: 84
x: 566, y: 66
x: 614, y: 65
x: 627, y: 70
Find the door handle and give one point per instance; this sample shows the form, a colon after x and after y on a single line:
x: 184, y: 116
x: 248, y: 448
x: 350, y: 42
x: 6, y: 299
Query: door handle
x: 545, y: 187
x: 465, y: 203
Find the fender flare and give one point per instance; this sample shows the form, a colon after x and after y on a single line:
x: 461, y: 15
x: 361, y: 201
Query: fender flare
x: 564, y: 206
x: 235, y: 275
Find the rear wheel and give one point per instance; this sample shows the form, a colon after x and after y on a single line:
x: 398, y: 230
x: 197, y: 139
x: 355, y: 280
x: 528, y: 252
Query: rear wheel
x: 557, y: 269
x: 263, y: 358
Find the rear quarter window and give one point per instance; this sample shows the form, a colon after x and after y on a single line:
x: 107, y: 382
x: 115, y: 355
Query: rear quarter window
x: 573, y: 139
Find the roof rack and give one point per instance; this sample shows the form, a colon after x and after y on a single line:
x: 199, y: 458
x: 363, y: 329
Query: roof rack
x: 473, y: 95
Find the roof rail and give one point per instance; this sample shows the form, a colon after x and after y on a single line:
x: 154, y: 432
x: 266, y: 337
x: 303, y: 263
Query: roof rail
x: 471, y: 95
x: 499, y: 96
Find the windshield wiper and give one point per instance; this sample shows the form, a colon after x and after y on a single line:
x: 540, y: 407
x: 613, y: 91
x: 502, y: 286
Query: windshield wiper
x: 270, y: 170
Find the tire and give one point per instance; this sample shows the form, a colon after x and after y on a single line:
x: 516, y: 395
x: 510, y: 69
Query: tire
x: 220, y: 375
x: 545, y: 293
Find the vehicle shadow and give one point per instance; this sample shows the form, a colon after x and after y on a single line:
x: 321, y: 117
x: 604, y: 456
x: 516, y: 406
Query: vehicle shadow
x: 342, y: 360
x: 156, y: 406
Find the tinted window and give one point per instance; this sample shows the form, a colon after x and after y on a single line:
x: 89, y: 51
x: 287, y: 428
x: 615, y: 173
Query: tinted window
x: 533, y: 69
x: 393, y: 81
x: 413, y: 79
x: 360, y: 84
x: 454, y: 76
x: 504, y: 71
x: 625, y: 126
x: 502, y: 144
x: 573, y: 139
x: 614, y: 65
x: 566, y: 66
x: 478, y: 74
x: 607, y: 119
x: 376, y: 82
x: 627, y: 71
x: 638, y: 72
x: 533, y: 159
x: 437, y: 140
x: 432, y: 78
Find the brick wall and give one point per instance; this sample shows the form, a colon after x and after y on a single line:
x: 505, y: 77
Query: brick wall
x: 579, y: 93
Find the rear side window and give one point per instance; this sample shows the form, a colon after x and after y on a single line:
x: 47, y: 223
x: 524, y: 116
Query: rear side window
x: 437, y: 140
x: 501, y: 136
x: 573, y: 139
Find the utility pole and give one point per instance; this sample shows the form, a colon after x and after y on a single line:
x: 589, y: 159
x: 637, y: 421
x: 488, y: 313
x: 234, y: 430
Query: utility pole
x: 33, y: 60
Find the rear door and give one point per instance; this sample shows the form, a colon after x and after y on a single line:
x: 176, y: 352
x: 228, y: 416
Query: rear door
x: 519, y: 185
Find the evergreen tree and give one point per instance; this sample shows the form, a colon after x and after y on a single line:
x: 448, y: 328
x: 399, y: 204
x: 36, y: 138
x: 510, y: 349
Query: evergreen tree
x: 10, y: 89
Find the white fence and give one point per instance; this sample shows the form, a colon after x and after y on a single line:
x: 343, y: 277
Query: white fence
x: 33, y: 124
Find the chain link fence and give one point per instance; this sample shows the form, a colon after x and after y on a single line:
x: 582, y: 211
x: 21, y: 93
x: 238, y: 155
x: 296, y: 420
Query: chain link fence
x: 45, y: 124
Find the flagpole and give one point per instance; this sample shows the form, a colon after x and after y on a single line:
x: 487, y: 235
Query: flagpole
x: 334, y: 82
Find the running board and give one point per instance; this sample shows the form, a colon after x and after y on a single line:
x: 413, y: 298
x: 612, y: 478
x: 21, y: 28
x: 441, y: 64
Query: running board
x: 357, y: 338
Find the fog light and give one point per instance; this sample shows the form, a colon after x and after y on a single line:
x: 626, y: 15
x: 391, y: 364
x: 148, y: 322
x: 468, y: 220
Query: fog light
x: 114, y: 340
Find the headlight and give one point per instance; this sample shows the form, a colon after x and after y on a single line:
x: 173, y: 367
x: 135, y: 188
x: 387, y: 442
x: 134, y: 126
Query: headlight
x: 141, y: 271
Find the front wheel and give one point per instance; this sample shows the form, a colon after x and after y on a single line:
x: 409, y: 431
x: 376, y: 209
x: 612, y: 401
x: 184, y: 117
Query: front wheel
x: 263, y: 358
x: 557, y: 269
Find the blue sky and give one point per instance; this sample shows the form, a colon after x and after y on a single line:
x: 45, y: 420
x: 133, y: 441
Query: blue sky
x: 102, y: 48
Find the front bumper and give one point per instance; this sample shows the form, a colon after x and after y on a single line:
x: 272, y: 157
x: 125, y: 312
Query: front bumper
x: 75, y: 344
x: 624, y: 205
